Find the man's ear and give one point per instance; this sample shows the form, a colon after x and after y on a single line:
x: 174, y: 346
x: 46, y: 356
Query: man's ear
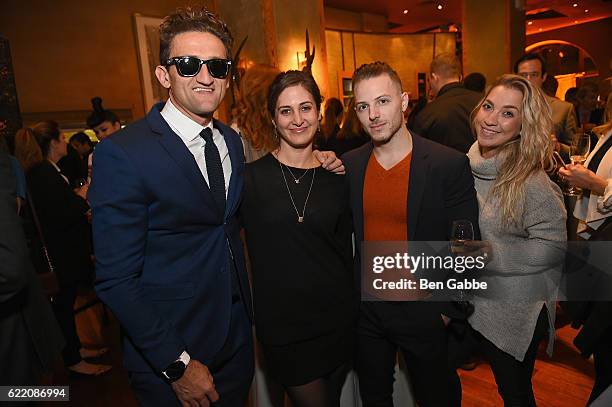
x: 544, y: 77
x: 405, y: 100
x: 163, y: 76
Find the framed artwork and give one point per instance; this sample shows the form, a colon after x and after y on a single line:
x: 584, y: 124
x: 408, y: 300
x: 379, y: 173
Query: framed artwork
x: 146, y: 31
x: 345, y: 87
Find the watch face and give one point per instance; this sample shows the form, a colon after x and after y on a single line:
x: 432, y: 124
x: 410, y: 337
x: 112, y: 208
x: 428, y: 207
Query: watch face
x: 175, y: 370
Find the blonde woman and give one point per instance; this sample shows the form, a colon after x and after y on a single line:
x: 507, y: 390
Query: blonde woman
x: 521, y: 214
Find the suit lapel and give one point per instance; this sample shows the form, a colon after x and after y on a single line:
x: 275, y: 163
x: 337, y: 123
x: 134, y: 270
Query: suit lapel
x: 179, y: 152
x: 419, y: 168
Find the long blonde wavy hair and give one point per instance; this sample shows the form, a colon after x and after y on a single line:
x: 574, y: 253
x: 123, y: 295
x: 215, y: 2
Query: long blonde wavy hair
x: 253, y: 118
x: 525, y: 155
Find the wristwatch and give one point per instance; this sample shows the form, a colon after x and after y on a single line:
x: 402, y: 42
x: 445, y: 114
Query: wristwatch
x: 177, y: 368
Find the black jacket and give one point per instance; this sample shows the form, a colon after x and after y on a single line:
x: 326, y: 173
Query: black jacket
x: 440, y: 190
x: 62, y: 215
x: 446, y: 120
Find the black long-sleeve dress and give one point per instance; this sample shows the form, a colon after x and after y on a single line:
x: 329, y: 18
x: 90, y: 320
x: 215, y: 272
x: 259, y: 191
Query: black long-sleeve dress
x: 303, y: 283
x: 63, y: 221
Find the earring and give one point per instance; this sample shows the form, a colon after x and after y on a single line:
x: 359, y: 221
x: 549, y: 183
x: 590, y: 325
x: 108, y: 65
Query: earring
x: 276, y: 136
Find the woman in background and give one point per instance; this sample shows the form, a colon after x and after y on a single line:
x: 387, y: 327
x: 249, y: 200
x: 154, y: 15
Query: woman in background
x: 253, y: 122
x: 522, y: 216
x: 594, y: 212
x: 62, y: 213
x: 330, y: 125
x: 588, y: 114
x: 351, y: 135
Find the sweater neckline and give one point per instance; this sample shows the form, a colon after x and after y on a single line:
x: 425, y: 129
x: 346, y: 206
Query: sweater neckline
x: 482, y: 168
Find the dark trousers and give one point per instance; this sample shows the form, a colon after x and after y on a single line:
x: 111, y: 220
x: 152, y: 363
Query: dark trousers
x: 417, y: 329
x: 513, y: 377
x: 602, y: 356
x: 63, y: 307
x: 232, y: 369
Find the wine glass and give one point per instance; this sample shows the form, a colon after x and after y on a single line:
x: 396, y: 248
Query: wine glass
x: 578, y: 155
x: 462, y: 231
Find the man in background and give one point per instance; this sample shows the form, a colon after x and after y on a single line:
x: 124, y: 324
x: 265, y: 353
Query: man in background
x: 446, y: 120
x: 532, y: 67
x: 74, y: 164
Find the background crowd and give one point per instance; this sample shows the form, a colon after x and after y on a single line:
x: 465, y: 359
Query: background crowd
x: 503, y: 135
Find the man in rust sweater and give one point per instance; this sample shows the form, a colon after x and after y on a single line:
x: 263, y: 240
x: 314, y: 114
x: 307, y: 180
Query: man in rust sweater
x: 404, y: 188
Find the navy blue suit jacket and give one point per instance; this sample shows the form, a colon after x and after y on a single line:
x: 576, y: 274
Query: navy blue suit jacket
x: 162, y: 247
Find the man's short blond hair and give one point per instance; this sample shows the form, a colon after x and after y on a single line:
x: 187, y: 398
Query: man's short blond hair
x: 446, y: 66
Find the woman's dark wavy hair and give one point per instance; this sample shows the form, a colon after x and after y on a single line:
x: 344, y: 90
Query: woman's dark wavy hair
x: 288, y: 79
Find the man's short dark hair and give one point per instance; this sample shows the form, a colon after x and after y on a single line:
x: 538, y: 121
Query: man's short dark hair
x: 532, y: 56
x: 374, y: 70
x: 475, y: 81
x: 192, y: 19
x: 80, y: 138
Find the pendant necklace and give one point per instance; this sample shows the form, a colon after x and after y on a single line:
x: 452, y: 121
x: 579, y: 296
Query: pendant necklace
x: 300, y: 218
x: 297, y: 180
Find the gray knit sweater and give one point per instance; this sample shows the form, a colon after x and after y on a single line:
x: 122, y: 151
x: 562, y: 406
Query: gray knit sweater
x: 527, y: 259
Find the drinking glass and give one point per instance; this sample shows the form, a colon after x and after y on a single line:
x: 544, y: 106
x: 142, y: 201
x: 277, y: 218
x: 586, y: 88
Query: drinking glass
x: 578, y: 155
x: 462, y: 231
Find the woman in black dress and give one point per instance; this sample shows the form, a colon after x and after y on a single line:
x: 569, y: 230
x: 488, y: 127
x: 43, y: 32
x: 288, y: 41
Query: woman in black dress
x: 62, y: 213
x: 298, y: 231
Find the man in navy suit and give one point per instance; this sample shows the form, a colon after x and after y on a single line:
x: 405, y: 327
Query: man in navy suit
x: 169, y: 260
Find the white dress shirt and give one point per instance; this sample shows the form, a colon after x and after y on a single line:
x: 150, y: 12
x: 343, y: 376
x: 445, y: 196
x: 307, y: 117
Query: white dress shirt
x: 189, y: 132
x: 593, y: 211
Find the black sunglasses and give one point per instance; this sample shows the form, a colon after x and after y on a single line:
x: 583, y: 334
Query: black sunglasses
x: 190, y: 66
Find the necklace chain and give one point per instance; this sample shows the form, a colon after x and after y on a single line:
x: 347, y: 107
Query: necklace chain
x: 297, y: 180
x: 300, y: 218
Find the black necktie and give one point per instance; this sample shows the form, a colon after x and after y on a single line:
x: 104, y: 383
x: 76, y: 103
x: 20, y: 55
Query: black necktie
x: 216, y: 181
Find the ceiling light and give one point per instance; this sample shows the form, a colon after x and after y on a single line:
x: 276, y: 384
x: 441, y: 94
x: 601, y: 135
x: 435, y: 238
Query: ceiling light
x: 539, y: 29
x: 575, y: 5
x: 439, y: 6
x: 529, y: 22
x: 586, y: 11
x: 575, y: 21
x: 561, y: 54
x: 405, y: 11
